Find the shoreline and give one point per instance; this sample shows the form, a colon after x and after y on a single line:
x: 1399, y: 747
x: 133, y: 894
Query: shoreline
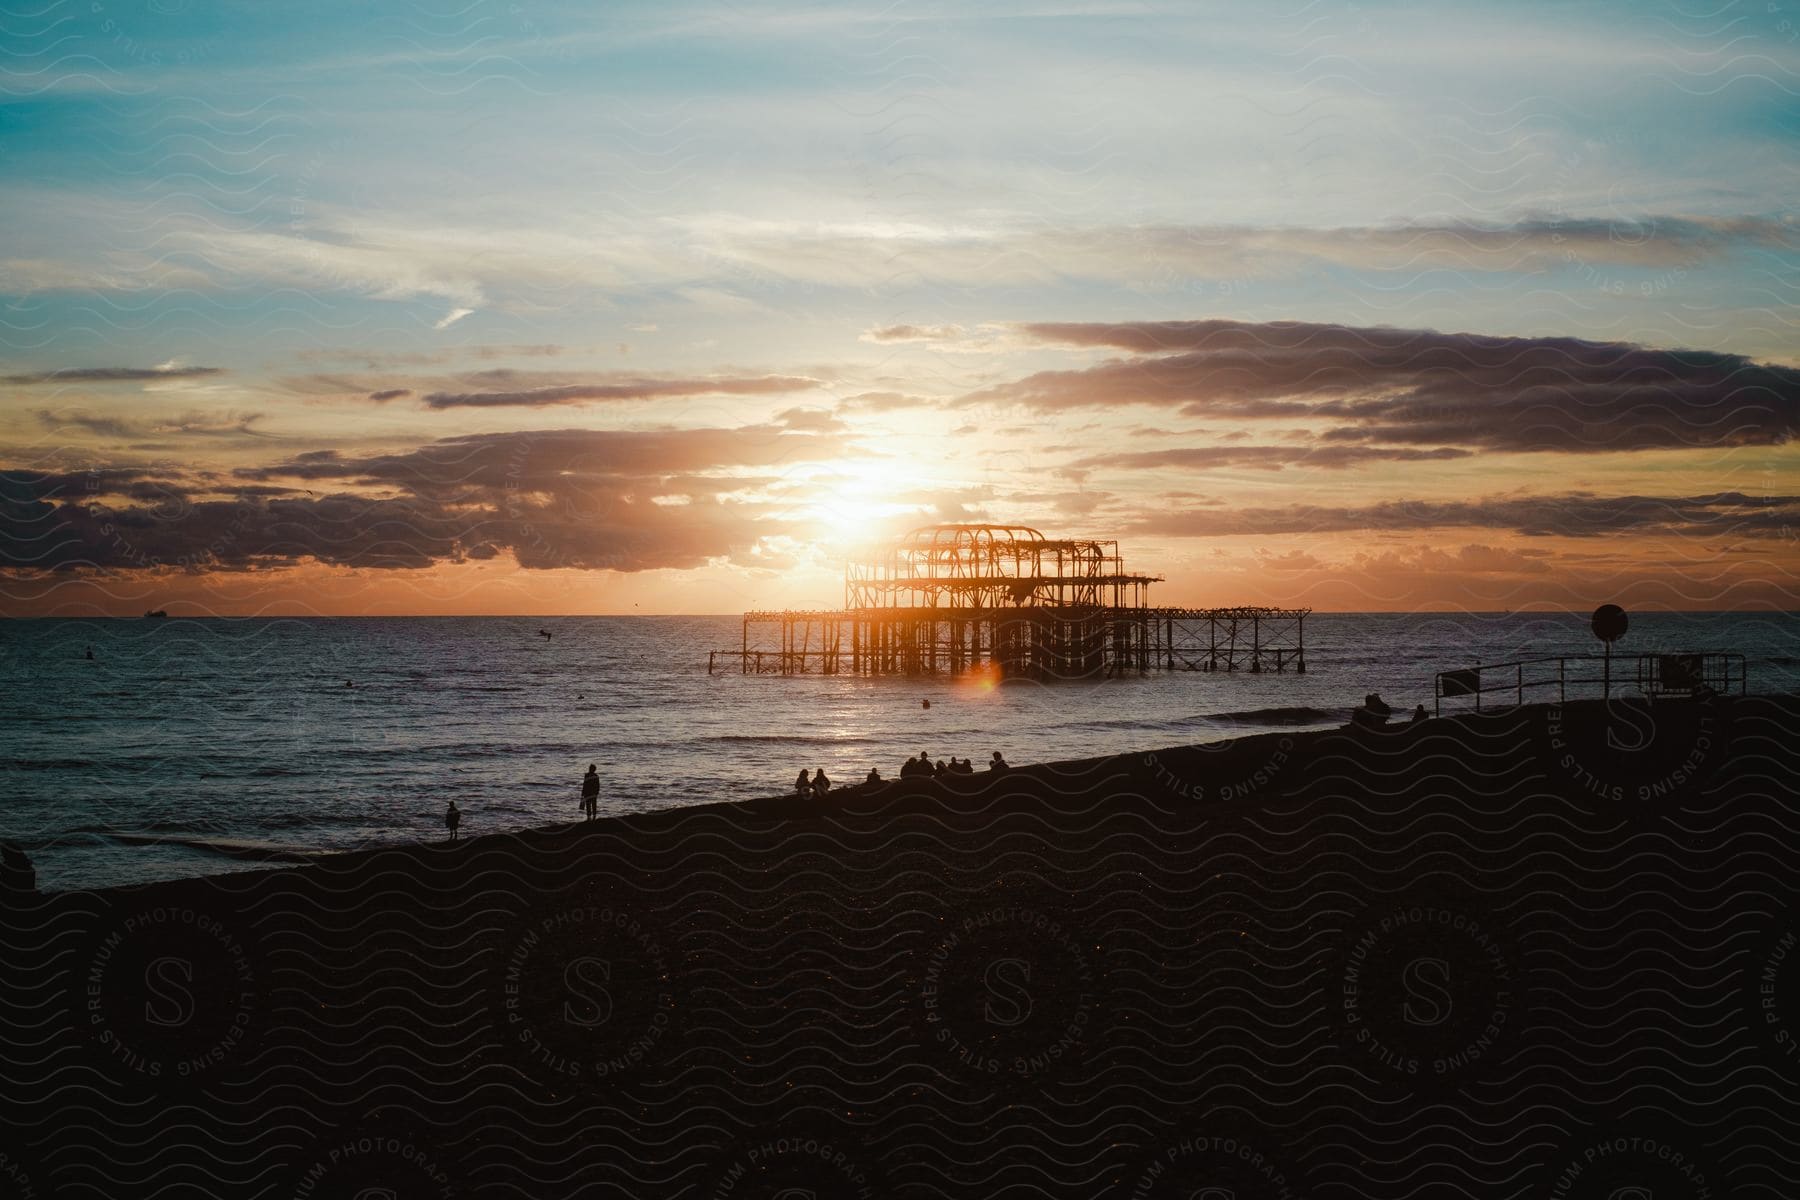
x: 1285, y: 742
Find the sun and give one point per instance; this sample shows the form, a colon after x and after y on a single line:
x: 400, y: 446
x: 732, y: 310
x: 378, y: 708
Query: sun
x: 853, y: 505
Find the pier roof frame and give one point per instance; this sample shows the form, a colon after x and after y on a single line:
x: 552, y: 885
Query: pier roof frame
x: 989, y: 567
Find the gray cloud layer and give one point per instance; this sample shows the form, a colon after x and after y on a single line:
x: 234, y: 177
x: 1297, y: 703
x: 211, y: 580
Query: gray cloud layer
x: 1272, y: 458
x: 1570, y: 515
x: 555, y: 498
x: 1404, y: 387
x: 620, y: 389
x: 108, y: 375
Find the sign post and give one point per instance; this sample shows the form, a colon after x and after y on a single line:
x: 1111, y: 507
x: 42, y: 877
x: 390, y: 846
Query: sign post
x: 1609, y: 625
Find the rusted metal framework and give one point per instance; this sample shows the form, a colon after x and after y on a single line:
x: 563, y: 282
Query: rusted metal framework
x: 955, y: 599
x: 991, y: 567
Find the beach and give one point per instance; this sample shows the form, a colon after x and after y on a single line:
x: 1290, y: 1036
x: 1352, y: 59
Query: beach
x: 192, y: 746
x: 1460, y: 954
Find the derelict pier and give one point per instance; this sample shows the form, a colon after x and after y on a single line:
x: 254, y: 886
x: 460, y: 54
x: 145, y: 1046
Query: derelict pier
x: 962, y: 599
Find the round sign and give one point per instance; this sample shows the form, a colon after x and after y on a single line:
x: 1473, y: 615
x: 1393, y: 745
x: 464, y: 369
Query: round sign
x: 1609, y: 623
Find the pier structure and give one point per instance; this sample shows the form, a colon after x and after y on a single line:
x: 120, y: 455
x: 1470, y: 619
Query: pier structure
x: 1006, y: 600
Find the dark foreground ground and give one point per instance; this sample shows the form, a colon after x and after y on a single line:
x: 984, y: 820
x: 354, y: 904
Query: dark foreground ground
x: 1539, y: 954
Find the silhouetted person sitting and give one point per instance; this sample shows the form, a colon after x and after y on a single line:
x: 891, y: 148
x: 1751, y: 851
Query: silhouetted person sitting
x: 1419, y: 714
x: 17, y: 876
x: 1375, y: 704
x: 997, y: 763
x: 590, y: 792
x: 802, y: 783
x: 915, y: 767
x: 940, y: 769
x: 453, y: 819
x: 961, y: 766
x: 821, y: 785
x: 874, y: 776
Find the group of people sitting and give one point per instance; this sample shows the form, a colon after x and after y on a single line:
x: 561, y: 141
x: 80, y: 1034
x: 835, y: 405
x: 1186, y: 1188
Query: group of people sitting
x: 923, y: 768
x: 817, y: 784
x: 1375, y: 711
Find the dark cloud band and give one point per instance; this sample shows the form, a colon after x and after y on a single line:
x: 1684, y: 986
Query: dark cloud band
x: 1406, y: 387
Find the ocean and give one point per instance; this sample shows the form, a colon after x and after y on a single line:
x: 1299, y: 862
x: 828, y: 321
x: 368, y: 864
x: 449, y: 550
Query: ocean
x: 195, y: 746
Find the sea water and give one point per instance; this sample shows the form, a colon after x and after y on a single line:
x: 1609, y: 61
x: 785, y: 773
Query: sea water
x: 187, y: 747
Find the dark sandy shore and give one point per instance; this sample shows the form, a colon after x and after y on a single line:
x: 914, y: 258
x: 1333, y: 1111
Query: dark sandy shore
x: 1543, y: 953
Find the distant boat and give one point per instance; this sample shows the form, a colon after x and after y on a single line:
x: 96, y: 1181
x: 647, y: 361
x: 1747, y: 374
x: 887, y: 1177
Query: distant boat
x: 156, y: 613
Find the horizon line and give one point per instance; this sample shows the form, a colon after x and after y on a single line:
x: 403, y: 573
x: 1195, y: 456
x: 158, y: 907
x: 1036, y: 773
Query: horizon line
x: 1328, y: 612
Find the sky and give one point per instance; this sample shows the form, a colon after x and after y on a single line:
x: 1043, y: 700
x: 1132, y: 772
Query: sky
x: 507, y: 306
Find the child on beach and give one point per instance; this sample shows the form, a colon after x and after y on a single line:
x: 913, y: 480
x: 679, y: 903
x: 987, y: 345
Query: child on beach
x: 452, y: 819
x: 590, y: 792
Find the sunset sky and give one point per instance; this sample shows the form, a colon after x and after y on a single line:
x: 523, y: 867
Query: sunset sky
x: 543, y: 308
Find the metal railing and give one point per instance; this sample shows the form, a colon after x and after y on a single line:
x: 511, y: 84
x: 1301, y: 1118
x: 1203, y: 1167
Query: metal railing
x: 1651, y: 675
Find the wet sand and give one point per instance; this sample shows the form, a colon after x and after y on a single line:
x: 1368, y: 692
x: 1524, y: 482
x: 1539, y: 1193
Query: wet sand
x: 1549, y: 952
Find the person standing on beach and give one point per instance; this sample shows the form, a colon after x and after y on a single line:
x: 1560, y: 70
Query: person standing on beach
x: 590, y: 792
x: 453, y: 819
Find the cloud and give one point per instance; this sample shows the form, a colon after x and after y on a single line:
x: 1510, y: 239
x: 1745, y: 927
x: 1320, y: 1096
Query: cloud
x: 810, y: 420
x: 879, y: 402
x: 109, y: 375
x: 1386, y: 386
x: 24, y: 276
x: 375, y: 360
x: 386, y: 394
x: 712, y: 260
x: 865, y: 254
x: 913, y: 333
x: 227, y: 423
x: 1272, y: 458
x: 1576, y: 514
x: 106, y: 427
x: 622, y: 389
x: 548, y: 459
x: 552, y: 498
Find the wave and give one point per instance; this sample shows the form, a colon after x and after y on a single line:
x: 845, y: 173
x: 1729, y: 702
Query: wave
x: 251, y: 849
x: 785, y: 739
x: 1293, y: 714
x: 1287, y: 716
